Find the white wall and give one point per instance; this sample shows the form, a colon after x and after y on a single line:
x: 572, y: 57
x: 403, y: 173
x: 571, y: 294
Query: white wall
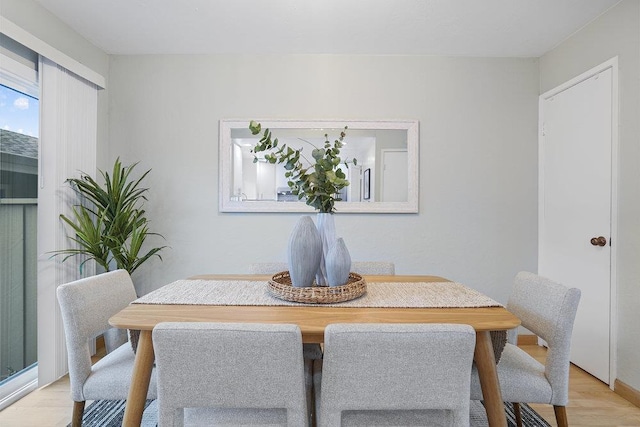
x: 478, y: 157
x: 617, y: 32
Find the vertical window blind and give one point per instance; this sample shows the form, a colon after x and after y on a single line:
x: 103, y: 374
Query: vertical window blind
x: 68, y: 134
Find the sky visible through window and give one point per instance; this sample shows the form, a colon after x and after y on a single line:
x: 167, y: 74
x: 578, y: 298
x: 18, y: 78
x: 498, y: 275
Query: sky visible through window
x: 18, y: 112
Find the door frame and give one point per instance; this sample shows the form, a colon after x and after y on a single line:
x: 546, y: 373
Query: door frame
x: 613, y: 239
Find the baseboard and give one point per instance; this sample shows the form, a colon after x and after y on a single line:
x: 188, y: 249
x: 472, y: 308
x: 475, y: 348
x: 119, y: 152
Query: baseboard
x: 627, y: 392
x: 527, y: 340
x: 19, y: 393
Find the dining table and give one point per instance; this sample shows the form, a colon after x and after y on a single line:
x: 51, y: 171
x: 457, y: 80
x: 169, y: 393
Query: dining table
x: 145, y: 313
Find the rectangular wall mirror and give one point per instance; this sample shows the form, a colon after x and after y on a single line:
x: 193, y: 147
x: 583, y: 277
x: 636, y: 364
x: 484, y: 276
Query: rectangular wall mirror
x: 385, y: 179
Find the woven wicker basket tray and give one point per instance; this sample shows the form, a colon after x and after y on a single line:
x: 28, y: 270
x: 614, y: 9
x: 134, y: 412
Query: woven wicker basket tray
x: 280, y: 287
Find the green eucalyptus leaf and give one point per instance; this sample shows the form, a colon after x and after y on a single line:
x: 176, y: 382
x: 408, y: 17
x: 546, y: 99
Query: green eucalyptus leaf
x: 255, y: 127
x: 318, y: 153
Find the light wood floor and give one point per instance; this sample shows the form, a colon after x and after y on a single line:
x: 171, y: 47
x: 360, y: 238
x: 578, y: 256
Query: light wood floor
x: 591, y: 403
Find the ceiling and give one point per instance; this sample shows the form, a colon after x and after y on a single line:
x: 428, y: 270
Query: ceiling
x: 487, y: 28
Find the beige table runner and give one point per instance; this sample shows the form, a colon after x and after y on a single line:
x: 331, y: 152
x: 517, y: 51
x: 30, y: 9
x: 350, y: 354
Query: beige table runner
x: 379, y: 294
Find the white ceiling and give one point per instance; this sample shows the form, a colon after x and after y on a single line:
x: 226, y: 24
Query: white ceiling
x: 488, y: 28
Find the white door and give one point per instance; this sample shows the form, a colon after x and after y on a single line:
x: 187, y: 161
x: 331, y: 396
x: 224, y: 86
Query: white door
x: 395, y: 176
x: 576, y: 206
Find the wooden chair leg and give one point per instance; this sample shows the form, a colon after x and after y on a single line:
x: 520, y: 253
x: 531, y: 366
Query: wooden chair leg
x: 561, y: 416
x: 78, y: 411
x: 517, y: 413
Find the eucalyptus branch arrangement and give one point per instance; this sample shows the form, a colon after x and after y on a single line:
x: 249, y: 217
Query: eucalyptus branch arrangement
x: 318, y: 180
x: 110, y: 227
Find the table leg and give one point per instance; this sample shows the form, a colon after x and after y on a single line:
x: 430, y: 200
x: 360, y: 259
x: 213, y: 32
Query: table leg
x: 486, y: 364
x: 140, y: 378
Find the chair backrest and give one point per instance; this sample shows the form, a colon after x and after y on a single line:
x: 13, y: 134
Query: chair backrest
x: 548, y: 309
x: 396, y: 367
x: 86, y: 306
x: 360, y: 267
x: 267, y: 267
x: 229, y: 365
x: 383, y: 268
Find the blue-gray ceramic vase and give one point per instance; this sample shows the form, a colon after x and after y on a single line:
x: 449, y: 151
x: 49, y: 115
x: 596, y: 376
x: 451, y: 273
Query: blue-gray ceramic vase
x: 338, y: 262
x: 304, y: 252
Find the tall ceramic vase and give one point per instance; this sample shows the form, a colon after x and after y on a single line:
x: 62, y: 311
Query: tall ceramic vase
x: 327, y: 229
x: 304, y: 252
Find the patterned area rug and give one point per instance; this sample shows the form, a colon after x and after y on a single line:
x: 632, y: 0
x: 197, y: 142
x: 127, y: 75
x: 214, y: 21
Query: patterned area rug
x: 530, y: 418
x: 109, y: 413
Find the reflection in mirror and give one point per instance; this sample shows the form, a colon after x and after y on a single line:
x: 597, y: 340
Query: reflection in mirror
x: 385, y: 178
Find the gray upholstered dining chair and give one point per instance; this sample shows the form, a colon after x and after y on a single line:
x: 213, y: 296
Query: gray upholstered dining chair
x: 231, y: 373
x: 548, y: 309
x: 382, y: 268
x: 267, y: 267
x: 394, y: 374
x: 86, y: 306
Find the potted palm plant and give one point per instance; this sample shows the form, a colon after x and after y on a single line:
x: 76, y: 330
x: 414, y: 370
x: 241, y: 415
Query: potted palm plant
x: 109, y: 225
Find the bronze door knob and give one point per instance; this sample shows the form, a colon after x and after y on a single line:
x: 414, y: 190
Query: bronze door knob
x: 599, y: 241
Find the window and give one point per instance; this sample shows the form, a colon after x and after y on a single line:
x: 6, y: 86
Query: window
x: 19, y: 129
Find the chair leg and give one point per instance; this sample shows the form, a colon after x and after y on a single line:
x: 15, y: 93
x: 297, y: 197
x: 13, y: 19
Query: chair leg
x: 78, y: 411
x: 561, y: 416
x: 517, y: 413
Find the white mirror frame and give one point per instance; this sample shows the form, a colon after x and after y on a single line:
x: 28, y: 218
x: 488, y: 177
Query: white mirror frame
x: 226, y: 204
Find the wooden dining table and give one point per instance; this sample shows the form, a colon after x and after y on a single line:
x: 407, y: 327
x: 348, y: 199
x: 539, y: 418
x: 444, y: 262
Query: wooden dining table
x: 312, y: 320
